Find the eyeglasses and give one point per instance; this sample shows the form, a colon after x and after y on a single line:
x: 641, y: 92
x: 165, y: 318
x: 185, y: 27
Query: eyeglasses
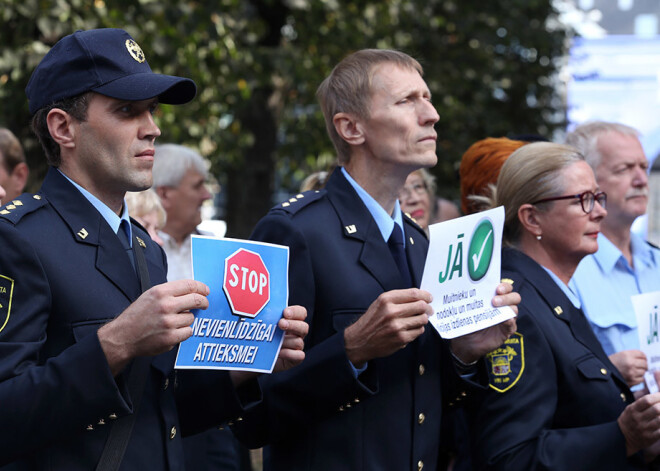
x: 587, y: 200
x: 416, y: 189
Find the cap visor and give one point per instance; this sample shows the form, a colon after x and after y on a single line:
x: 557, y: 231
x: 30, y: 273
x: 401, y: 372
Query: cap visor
x: 169, y: 89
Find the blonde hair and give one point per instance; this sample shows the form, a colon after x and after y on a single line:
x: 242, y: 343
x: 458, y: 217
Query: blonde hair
x: 531, y: 173
x: 348, y: 88
x: 141, y: 203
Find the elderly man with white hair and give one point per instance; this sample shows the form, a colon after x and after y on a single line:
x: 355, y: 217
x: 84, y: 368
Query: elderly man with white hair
x: 625, y: 264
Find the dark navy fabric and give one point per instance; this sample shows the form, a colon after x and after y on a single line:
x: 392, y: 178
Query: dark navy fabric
x: 319, y: 415
x: 70, y: 274
x: 562, y: 411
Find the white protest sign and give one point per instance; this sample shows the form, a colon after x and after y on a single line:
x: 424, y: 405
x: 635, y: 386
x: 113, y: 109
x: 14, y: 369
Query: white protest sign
x: 646, y: 312
x: 462, y: 272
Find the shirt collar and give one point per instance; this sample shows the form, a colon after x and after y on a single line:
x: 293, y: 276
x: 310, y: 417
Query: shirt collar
x: 384, y: 221
x: 608, y: 254
x: 575, y: 301
x: 642, y: 251
x: 108, y: 214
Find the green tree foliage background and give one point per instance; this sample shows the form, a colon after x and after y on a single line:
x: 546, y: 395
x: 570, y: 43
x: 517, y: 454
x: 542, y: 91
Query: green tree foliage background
x: 257, y: 63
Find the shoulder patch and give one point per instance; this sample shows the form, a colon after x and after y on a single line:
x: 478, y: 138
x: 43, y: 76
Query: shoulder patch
x: 506, y: 364
x: 299, y: 201
x: 16, y: 209
x: 6, y: 294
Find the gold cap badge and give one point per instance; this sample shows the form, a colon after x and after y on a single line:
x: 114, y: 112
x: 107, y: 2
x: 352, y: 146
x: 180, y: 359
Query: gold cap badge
x: 135, y: 51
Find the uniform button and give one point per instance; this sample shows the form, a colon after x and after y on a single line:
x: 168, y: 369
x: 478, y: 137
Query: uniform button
x: 421, y: 370
x: 101, y: 422
x: 112, y: 416
x: 173, y: 432
x: 90, y: 427
x: 356, y: 400
x: 603, y: 371
x: 420, y: 465
x: 623, y: 397
x: 166, y: 383
x: 421, y: 418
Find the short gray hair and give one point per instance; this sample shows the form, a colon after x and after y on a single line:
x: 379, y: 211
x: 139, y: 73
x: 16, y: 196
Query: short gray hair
x: 172, y: 161
x: 585, y: 138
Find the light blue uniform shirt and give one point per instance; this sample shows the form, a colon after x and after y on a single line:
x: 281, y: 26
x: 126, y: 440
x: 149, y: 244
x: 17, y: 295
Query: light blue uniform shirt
x: 567, y: 291
x: 384, y: 221
x: 604, y: 283
x: 107, y: 213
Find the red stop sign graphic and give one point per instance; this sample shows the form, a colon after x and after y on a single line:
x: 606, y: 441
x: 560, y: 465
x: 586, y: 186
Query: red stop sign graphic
x: 247, y: 283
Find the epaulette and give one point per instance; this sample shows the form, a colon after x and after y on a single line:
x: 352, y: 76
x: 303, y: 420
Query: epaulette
x: 296, y: 203
x: 411, y: 220
x: 25, y: 204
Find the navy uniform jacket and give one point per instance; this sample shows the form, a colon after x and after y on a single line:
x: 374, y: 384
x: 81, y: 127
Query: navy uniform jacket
x: 63, y: 274
x: 559, y: 396
x: 320, y: 416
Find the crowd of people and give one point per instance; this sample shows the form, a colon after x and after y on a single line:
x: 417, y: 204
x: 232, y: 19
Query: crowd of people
x: 96, y: 290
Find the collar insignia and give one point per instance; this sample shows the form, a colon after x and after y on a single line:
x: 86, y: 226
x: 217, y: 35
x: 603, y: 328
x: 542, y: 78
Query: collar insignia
x: 82, y: 233
x: 351, y: 229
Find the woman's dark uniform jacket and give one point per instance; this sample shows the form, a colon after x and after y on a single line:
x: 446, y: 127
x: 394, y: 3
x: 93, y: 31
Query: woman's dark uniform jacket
x: 320, y: 416
x: 560, y: 395
x: 64, y: 273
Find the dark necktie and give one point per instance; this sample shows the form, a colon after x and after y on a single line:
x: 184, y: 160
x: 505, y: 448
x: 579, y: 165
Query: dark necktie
x: 122, y: 233
x: 395, y: 243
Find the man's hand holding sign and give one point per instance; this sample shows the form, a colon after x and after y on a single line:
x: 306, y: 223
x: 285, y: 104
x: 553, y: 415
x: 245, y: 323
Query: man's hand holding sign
x: 461, y: 273
x: 247, y: 325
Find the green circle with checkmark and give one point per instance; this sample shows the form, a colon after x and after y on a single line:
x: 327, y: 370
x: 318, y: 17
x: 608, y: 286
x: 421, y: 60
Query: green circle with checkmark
x: 480, y: 252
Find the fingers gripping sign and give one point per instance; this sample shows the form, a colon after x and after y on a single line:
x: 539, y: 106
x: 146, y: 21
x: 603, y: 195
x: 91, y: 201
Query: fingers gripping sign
x: 295, y: 328
x: 393, y: 320
x: 156, y: 322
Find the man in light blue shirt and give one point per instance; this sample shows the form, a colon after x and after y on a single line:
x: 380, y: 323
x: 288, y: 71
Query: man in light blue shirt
x: 625, y: 265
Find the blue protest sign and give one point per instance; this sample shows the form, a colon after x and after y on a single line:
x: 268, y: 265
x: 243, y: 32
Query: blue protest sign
x: 249, y: 290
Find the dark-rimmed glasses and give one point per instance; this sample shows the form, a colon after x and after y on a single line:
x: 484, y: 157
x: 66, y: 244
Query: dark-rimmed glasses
x: 587, y: 200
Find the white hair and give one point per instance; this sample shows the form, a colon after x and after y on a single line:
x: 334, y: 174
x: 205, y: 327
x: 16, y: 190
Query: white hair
x: 172, y: 161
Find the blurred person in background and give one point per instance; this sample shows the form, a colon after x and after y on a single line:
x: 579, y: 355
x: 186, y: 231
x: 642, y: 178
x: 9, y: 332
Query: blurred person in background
x: 14, y: 171
x: 180, y: 176
x: 145, y: 207
x: 480, y: 166
x: 314, y: 181
x: 417, y: 197
x: 625, y: 264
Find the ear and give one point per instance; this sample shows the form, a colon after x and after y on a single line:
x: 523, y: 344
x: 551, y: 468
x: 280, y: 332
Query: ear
x: 20, y: 175
x: 348, y: 128
x: 162, y: 193
x: 529, y: 218
x: 60, y: 125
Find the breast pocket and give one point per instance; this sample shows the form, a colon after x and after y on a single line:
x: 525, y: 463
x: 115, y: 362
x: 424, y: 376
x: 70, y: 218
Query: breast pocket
x: 592, y: 368
x: 85, y: 328
x: 344, y: 317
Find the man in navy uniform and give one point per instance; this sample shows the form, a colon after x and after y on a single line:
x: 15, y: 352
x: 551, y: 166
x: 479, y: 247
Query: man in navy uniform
x: 369, y: 394
x: 87, y: 347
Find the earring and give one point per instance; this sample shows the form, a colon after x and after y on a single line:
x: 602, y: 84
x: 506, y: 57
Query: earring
x: 539, y: 237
